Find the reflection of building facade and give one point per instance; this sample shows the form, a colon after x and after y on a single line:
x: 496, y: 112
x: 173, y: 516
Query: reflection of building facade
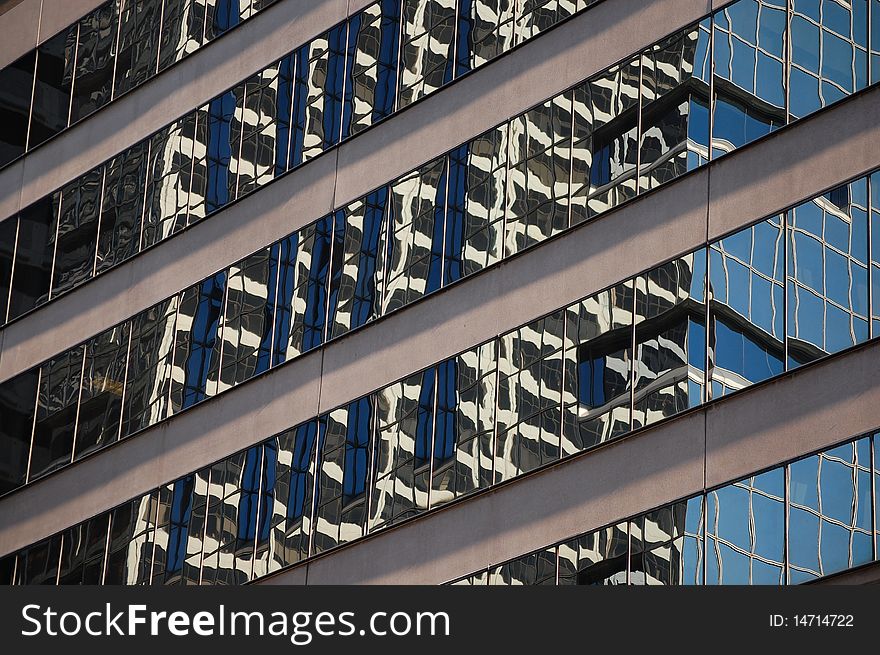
x: 536, y: 390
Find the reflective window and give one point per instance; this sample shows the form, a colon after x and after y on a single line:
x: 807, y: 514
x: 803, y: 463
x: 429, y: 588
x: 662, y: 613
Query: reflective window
x: 38, y: 564
x: 670, y: 319
x: 302, y: 290
x: 130, y: 549
x: 828, y: 52
x: 529, y: 396
x: 8, y: 231
x: 828, y: 274
x: 172, y: 530
x: 485, y: 30
x: 82, y: 552
x: 427, y: 42
x: 7, y: 569
x: 16, y: 89
x: 183, y: 25
x: 51, y: 105
x: 538, y: 568
x: 93, y: 84
x: 35, y: 246
x: 596, y: 558
x: 829, y: 515
x: 77, y: 231
x: 876, y: 448
x: 477, y: 579
x: 60, y: 381
x: 356, y: 273
x: 416, y: 211
x: 402, y: 462
x: 341, y: 491
x: 475, y: 203
x: 122, y: 207
x: 318, y: 95
x: 100, y: 403
x: 538, y: 173
x: 149, y: 367
x: 675, y: 106
x: 287, y: 500
x: 197, y: 344
x: 750, y: 87
x: 247, y: 319
x: 223, y: 15
x: 666, y: 545
x: 371, y: 80
x: 218, y: 142
x: 605, y: 151
x: 465, y: 426
x: 745, y: 531
x: 875, y: 253
x: 875, y: 41
x: 536, y: 16
x: 598, y: 365
x: 169, y: 178
x: 138, y: 48
x: 18, y: 401
x: 746, y: 310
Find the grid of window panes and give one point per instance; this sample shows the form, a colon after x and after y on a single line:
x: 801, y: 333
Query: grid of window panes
x: 798, y: 522
x: 624, y: 131
x: 761, y: 301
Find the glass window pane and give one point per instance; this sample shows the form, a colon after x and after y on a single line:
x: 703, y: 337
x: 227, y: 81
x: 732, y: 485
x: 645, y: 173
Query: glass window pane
x: 415, y: 250
x: 18, y: 402
x: 875, y: 41
x: 829, y: 516
x: 746, y: 310
x: 223, y: 15
x: 829, y: 52
x: 474, y: 580
x: 875, y: 253
x: 287, y: 497
x: 598, y: 365
x: 750, y: 89
x: 183, y: 24
x: 103, y: 382
x: 371, y: 81
x: 197, y: 343
x: 77, y: 231
x: 427, y: 42
x: 216, y: 151
x: 122, y: 207
x: 538, y: 568
x: 596, y: 558
x: 675, y: 106
x: 529, y: 395
x: 745, y: 522
x: 35, y: 249
x: 465, y: 423
x: 302, y: 290
x: 38, y: 564
x: 51, y: 104
x: 16, y: 88
x: 169, y: 176
x: 358, y: 259
x: 344, y: 456
x: 828, y: 274
x: 670, y: 319
x: 8, y: 231
x: 536, y: 16
x: 475, y: 205
x: 539, y: 159
x: 666, y: 545
x: 605, y: 151
x: 485, y: 30
x: 138, y: 48
x: 82, y: 552
x: 93, y: 85
x: 149, y: 367
x: 130, y: 552
x: 7, y: 569
x: 172, y: 536
x: 60, y: 381
x: 247, y: 320
x: 404, y: 435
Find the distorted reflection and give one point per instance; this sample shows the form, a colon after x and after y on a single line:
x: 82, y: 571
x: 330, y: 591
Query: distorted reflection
x: 485, y: 30
x: 77, y: 232
x: 426, y: 47
x: 95, y: 53
x: 596, y: 558
x: 538, y: 568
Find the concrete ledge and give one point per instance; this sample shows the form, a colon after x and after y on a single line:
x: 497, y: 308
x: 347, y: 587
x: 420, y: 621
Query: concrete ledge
x: 869, y: 574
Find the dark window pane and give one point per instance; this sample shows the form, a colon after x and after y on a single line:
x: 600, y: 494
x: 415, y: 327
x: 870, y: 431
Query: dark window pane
x: 875, y: 252
x: 16, y: 88
x: 137, y: 53
x: 8, y: 231
x: 875, y: 41
x: 371, y: 81
x: 82, y: 552
x: 596, y: 558
x: 52, y: 89
x: 183, y: 22
x: 103, y: 382
x: 223, y: 15
x: 123, y: 206
x: 77, y: 231
x: 7, y: 569
x: 35, y: 248
x: 131, y: 541
x: 18, y: 401
x: 173, y: 522
x: 38, y: 564
x: 538, y: 568
x: 93, y: 85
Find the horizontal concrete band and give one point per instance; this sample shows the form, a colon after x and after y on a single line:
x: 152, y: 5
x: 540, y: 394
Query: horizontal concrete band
x: 755, y: 429
x: 790, y: 166
x: 212, y: 69
x: 868, y: 574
